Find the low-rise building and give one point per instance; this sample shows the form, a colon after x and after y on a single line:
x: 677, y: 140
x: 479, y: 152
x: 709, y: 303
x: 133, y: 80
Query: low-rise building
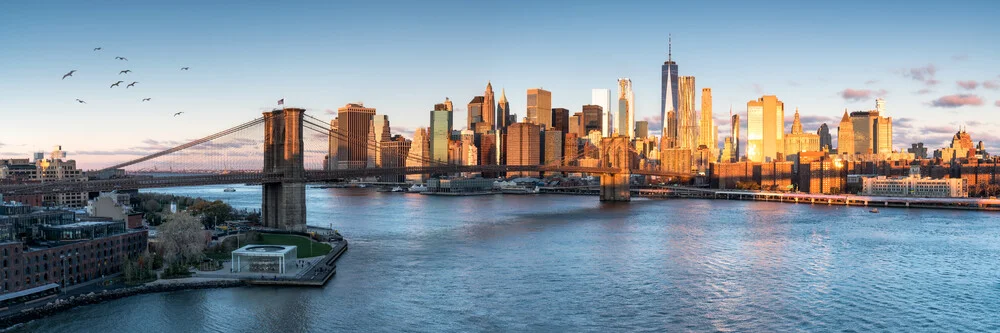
x: 915, y: 186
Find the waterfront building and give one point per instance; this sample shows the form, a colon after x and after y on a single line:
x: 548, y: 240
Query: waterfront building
x: 489, y: 114
x: 42, y: 249
x: 687, y: 121
x: 825, y: 139
x: 797, y: 141
x: 352, y: 147
x: 602, y: 98
x: 676, y: 160
x: 440, y: 133
x: 765, y: 129
x: 394, y: 153
x: 915, y: 186
x: 626, y: 109
x: 560, y: 119
x: 523, y: 146
x: 379, y: 135
x: 418, y: 154
x: 475, y: 112
x: 469, y: 185
x: 845, y: 136
x: 553, y: 143
x: 961, y: 147
x: 275, y: 259
x: 668, y: 92
x: 540, y: 107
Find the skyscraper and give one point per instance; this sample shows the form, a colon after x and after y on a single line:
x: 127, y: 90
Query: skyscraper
x: 668, y: 89
x: 576, y: 124
x: 503, y: 112
x: 602, y: 98
x: 642, y: 129
x: 706, y: 124
x: 418, y: 154
x: 687, y: 128
x: 475, y: 111
x: 553, y: 147
x: 798, y: 141
x: 883, y: 129
x: 765, y: 129
x: 734, y: 132
x: 560, y: 119
x: 845, y: 136
x: 440, y: 133
x: 489, y: 107
x: 354, y: 121
x: 523, y: 145
x: 380, y: 134
x: 825, y: 139
x: 626, y: 99
x: 540, y: 107
x: 865, y: 123
x: 592, y: 119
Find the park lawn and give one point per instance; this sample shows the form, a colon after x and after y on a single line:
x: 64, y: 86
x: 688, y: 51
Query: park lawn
x: 303, y: 250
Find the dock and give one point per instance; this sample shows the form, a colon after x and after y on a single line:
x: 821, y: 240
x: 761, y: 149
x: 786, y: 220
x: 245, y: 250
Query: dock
x: 317, y: 275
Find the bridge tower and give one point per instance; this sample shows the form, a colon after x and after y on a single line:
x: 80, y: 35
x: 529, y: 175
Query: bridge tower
x: 284, y: 203
x: 615, y: 154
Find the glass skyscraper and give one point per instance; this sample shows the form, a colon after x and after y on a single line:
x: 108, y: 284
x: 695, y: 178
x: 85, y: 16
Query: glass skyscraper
x: 668, y: 94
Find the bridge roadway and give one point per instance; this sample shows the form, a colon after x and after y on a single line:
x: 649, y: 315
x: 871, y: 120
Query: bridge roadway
x: 133, y: 183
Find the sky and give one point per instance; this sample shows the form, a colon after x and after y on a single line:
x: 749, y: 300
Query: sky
x: 934, y: 63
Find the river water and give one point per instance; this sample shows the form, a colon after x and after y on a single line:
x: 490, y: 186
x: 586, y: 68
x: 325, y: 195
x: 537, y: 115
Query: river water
x: 570, y: 263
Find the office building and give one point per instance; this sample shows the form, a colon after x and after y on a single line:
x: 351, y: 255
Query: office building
x: 576, y: 124
x: 540, y: 107
x: 553, y: 147
x: 380, y: 134
x: 571, y: 149
x: 560, y: 119
x: 845, y: 136
x: 626, y: 109
x: 734, y: 133
x: 765, y: 129
x: 440, y: 133
x: 54, y: 168
x: 669, y: 97
x: 798, y: 141
x: 825, y: 139
x: 419, y: 154
x: 915, y: 186
x: 489, y: 113
x: 592, y: 119
x: 707, y: 135
x: 394, y: 153
x: 475, y: 112
x: 602, y: 98
x: 918, y: 150
x: 687, y: 121
x: 641, y: 129
x: 523, y: 146
x: 354, y: 121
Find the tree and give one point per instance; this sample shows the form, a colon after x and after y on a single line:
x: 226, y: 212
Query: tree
x: 182, y: 239
x: 212, y: 213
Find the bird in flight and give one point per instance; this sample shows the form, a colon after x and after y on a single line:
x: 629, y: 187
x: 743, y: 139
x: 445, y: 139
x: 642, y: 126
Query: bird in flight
x: 97, y: 49
x: 125, y: 72
x: 185, y: 68
x: 69, y: 74
x: 121, y: 58
x: 80, y: 101
x: 177, y: 114
x: 146, y: 99
x: 116, y: 84
x: 131, y: 84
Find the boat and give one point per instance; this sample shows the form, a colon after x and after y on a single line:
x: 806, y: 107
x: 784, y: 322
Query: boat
x: 229, y: 189
x: 519, y: 190
x: 873, y: 210
x: 397, y: 189
x: 362, y: 185
x: 417, y: 188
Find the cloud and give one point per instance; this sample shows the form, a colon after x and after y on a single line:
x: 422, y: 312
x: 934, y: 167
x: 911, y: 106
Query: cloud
x: 992, y: 85
x: 941, y: 129
x: 871, y: 82
x: 922, y: 74
x: 997, y: 103
x: 931, y: 82
x: 968, y: 85
x: 2, y: 144
x: 960, y: 57
x: 954, y: 101
x: 924, y: 91
x: 331, y: 112
x: 854, y: 95
x: 406, y: 132
x: 757, y: 89
x: 655, y: 123
x: 902, y: 123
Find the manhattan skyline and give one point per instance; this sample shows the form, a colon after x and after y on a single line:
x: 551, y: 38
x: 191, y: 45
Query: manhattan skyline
x: 934, y: 77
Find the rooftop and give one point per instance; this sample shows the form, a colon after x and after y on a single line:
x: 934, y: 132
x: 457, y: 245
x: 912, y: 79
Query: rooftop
x: 256, y: 249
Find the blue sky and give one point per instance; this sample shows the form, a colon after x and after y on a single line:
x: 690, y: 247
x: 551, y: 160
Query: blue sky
x: 402, y: 57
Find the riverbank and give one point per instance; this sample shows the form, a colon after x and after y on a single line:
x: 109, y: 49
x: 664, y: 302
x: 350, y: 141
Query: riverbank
x: 159, y: 286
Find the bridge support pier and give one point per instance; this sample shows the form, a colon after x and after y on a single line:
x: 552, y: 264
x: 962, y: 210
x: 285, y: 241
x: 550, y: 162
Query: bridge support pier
x: 616, y: 187
x: 284, y: 203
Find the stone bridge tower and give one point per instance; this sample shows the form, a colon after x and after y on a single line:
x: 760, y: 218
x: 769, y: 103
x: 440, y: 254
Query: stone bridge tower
x: 615, y: 154
x: 284, y: 203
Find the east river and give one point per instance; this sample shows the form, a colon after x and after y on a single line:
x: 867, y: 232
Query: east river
x: 569, y: 263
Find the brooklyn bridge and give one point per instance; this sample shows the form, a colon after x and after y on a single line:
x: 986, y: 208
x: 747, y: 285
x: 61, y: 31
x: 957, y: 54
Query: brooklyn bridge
x: 284, y: 150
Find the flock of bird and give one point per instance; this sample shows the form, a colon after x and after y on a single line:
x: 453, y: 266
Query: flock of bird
x: 119, y: 82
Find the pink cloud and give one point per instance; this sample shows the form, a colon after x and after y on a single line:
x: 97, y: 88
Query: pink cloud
x: 968, y: 85
x: 923, y: 74
x: 997, y: 103
x: 855, y: 95
x: 954, y: 101
x: 923, y: 91
x: 993, y: 85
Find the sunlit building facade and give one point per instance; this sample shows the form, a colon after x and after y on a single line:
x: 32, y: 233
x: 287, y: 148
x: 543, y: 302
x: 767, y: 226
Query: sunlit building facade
x: 765, y: 129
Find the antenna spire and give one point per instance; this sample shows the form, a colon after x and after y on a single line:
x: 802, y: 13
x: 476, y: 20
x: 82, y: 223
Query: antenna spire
x: 670, y: 47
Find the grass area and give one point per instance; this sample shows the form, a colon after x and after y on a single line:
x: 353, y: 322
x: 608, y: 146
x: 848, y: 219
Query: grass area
x: 302, y: 243
x: 303, y: 250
